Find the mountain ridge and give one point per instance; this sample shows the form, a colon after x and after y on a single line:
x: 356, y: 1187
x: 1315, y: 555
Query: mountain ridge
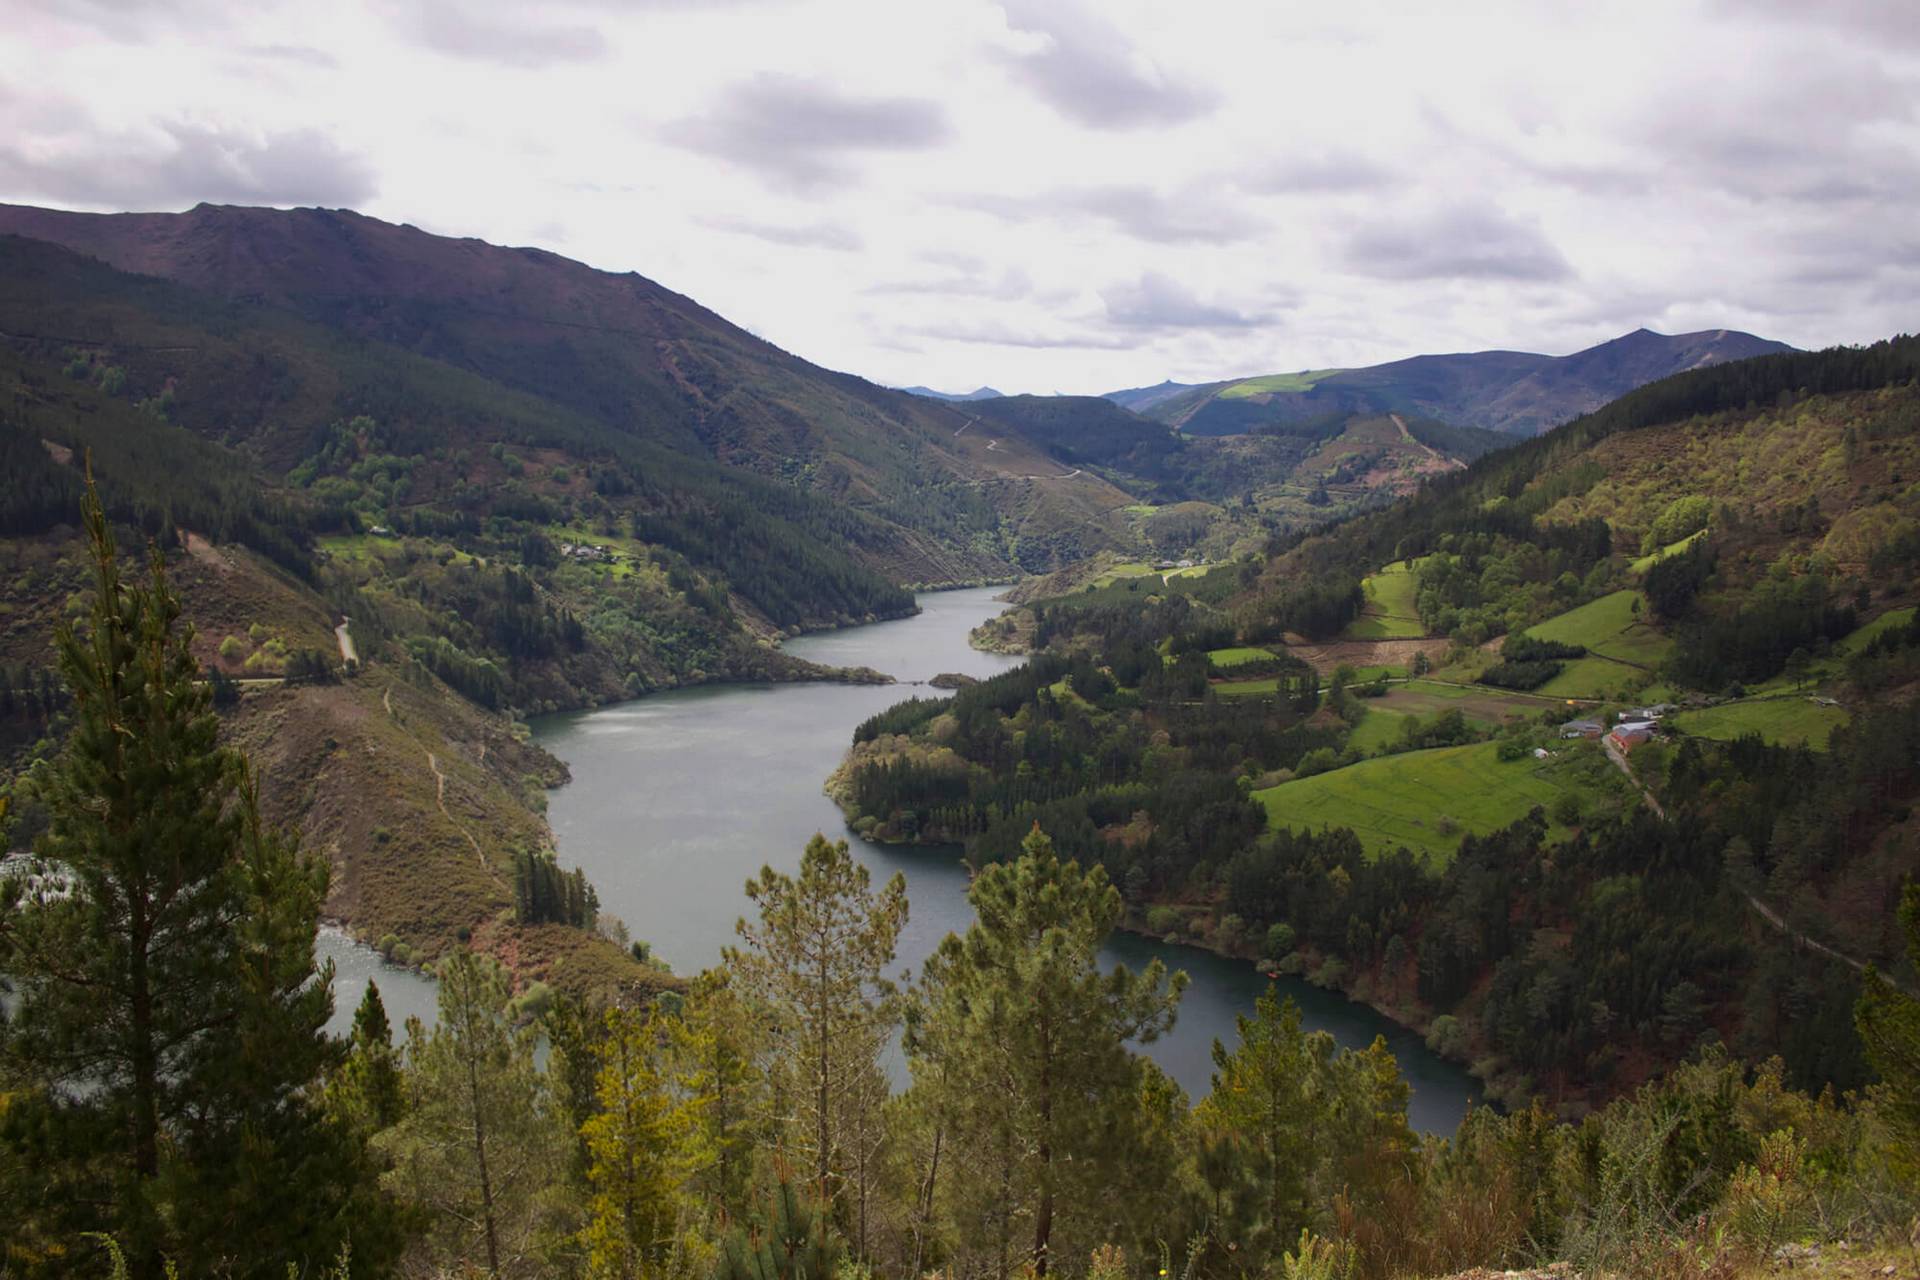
x: 1517, y: 392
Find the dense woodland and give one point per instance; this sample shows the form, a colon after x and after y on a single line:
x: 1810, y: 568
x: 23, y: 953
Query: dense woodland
x: 169, y: 1105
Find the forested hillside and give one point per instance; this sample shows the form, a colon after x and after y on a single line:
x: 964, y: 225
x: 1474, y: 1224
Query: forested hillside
x: 625, y: 359
x: 1360, y: 758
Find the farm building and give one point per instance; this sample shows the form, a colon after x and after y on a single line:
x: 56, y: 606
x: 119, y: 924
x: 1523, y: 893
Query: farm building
x: 1627, y: 738
x: 1582, y: 729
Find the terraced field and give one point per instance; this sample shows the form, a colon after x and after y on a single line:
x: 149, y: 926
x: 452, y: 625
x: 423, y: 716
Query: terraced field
x: 1427, y: 800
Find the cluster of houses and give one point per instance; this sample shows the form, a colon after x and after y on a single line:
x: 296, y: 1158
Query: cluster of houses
x: 587, y: 551
x: 1177, y: 564
x: 1632, y: 726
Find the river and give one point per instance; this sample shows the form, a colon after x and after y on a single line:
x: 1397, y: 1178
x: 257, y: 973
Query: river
x: 678, y: 798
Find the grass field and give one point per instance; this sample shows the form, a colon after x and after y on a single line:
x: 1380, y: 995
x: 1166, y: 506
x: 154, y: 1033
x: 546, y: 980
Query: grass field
x: 1788, y: 721
x: 1246, y: 688
x: 1391, y: 612
x: 1380, y: 727
x: 1426, y: 697
x: 1610, y: 628
x: 1225, y: 658
x: 1426, y: 800
x: 1647, y: 561
x: 1621, y: 648
x: 1119, y: 571
x: 1591, y: 678
x: 1825, y: 669
x: 1859, y: 639
x: 1302, y: 381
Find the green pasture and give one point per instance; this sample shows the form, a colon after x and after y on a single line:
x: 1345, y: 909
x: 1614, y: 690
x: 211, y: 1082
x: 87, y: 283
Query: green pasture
x: 1427, y: 800
x: 1787, y: 721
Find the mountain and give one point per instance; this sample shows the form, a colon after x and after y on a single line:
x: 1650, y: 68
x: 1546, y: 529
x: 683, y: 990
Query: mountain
x: 1516, y: 392
x: 1140, y: 399
x: 978, y: 393
x: 619, y: 350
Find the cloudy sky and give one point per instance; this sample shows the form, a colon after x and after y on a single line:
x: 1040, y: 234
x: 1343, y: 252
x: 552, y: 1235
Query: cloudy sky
x: 1048, y: 195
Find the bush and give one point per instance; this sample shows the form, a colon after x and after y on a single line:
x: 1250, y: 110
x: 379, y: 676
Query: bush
x: 1162, y: 921
x: 233, y: 648
x: 1280, y: 940
x: 1331, y: 973
x: 1447, y: 1036
x: 1230, y: 931
x: 1318, y: 760
x: 1566, y: 810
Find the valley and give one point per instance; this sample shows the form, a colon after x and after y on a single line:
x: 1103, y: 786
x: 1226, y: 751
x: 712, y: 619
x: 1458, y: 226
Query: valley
x: 1531, y: 729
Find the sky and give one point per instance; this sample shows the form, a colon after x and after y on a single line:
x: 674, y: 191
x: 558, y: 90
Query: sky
x: 1048, y: 195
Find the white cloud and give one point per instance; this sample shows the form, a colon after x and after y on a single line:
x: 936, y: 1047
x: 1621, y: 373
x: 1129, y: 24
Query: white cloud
x: 1050, y: 196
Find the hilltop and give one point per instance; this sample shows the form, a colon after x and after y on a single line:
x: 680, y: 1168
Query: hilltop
x: 1515, y: 392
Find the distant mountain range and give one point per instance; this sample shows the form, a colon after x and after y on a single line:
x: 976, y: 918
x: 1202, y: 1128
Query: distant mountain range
x: 1516, y: 392
x: 978, y: 393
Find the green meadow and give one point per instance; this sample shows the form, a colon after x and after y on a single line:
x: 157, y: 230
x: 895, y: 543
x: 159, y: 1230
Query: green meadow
x: 1276, y: 382
x: 1787, y: 721
x: 1427, y: 800
x: 1391, y: 611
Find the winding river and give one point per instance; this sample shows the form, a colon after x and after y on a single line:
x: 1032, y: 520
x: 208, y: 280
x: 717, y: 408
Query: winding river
x: 678, y: 798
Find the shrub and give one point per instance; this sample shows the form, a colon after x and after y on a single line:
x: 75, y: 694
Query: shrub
x: 233, y: 648
x: 1331, y: 973
x: 1163, y: 921
x: 1447, y: 1036
x: 1280, y: 940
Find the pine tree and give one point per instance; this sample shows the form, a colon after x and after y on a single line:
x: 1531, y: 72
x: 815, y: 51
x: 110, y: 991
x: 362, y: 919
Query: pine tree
x: 367, y: 1091
x: 168, y: 1025
x: 815, y: 962
x: 715, y: 1049
x: 1027, y: 1040
x: 482, y: 1146
x: 644, y: 1144
x: 1294, y: 1119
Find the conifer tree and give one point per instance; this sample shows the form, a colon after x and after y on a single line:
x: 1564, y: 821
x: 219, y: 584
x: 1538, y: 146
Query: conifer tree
x: 482, y: 1148
x: 715, y: 1050
x: 1028, y: 1041
x: 169, y: 1014
x: 815, y: 962
x: 644, y: 1143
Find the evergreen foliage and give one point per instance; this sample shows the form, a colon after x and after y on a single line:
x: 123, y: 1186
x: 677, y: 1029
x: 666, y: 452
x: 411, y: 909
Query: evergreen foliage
x: 167, y: 1025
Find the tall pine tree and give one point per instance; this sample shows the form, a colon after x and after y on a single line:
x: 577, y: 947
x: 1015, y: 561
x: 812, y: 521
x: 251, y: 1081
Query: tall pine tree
x: 815, y: 963
x: 1027, y: 1039
x: 168, y: 1019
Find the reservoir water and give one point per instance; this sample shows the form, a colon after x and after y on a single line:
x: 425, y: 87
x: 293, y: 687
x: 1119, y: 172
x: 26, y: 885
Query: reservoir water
x: 678, y: 798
